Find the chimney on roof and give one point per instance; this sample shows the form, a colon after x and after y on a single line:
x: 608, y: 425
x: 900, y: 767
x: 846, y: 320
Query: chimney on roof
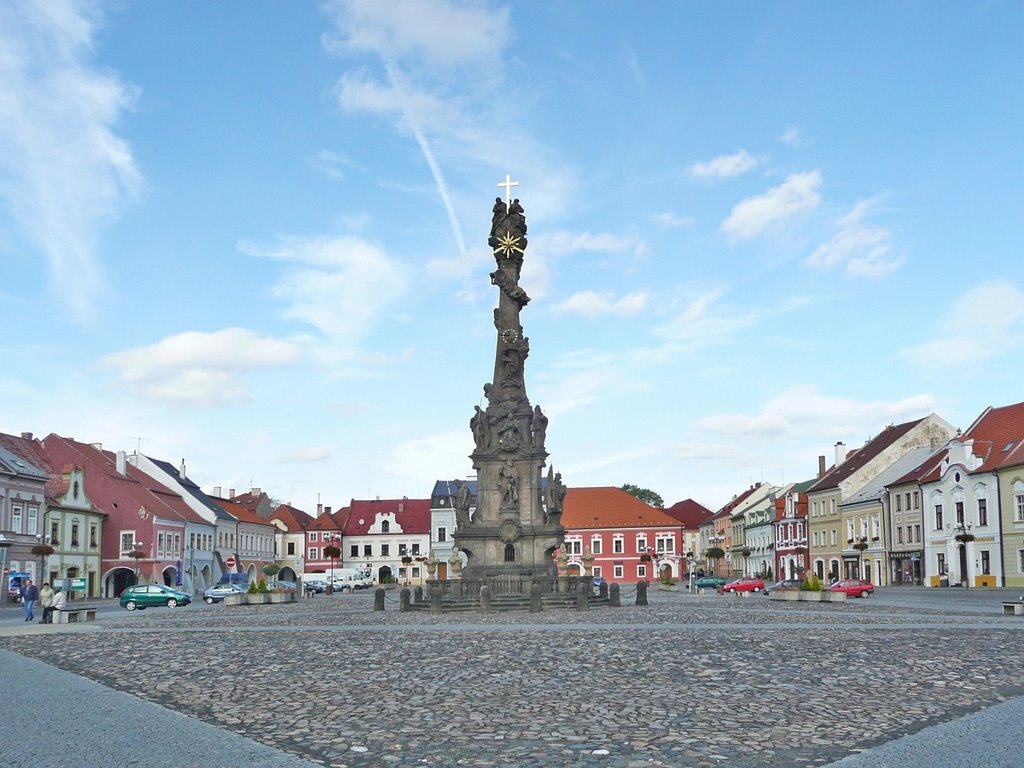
x: 181, y: 471
x: 840, y: 452
x: 319, y: 509
x: 216, y: 491
x: 327, y: 510
x: 401, y: 507
x: 231, y: 493
x: 257, y: 491
x: 821, y: 466
x: 122, y: 461
x: 26, y: 435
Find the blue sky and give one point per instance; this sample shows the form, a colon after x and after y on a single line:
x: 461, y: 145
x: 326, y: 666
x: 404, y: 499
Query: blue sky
x: 255, y: 236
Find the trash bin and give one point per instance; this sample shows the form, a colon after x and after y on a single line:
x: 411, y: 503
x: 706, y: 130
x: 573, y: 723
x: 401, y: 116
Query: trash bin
x: 944, y: 581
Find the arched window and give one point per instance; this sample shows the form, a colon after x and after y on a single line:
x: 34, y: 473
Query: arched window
x: 510, y: 553
x: 385, y: 526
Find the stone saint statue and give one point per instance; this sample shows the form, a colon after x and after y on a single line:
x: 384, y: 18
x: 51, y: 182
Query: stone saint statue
x: 481, y: 430
x: 540, y: 427
x: 556, y: 491
x: 463, y: 498
x: 508, y: 484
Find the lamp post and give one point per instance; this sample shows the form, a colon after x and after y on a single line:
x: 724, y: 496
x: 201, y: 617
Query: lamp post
x: 136, y: 554
x: 963, y: 537
x: 4, y: 544
x: 715, y: 541
x: 332, y: 551
x: 43, y: 548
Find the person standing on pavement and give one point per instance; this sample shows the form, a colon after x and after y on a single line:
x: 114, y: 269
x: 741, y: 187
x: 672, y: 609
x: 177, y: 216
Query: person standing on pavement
x: 45, y: 600
x: 29, y: 594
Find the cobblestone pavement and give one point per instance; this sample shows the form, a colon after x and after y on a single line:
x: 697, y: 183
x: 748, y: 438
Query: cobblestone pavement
x: 688, y: 681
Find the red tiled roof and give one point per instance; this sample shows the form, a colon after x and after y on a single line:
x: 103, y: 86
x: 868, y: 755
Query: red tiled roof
x: 239, y: 511
x: 610, y: 507
x: 413, y: 515
x: 294, y: 520
x: 996, y: 433
x: 863, y: 455
x: 689, y: 513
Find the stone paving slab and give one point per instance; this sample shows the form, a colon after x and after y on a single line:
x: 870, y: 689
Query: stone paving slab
x: 688, y: 681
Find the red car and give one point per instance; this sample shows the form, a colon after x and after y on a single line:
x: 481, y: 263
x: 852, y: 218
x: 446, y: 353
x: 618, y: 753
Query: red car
x: 853, y: 587
x: 745, y: 584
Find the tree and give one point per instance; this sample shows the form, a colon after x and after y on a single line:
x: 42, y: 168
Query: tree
x: 645, y: 495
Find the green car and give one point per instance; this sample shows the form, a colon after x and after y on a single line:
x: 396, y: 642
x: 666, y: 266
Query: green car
x: 145, y: 595
x: 710, y: 582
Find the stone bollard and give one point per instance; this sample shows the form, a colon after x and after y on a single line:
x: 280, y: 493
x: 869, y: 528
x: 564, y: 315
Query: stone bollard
x: 613, y: 596
x: 417, y: 594
x: 602, y: 590
x: 378, y: 599
x: 583, y: 597
x: 485, y: 598
x: 403, y: 600
x: 641, y: 593
x: 436, y: 600
x: 536, y: 604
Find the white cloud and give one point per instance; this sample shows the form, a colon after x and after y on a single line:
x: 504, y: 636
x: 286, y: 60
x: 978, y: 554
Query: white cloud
x: 985, y: 322
x: 338, y: 285
x: 799, y: 193
x: 803, y: 412
x: 63, y: 170
x: 593, y: 304
x: 432, y: 33
x: 864, y: 248
x: 791, y: 136
x: 704, y: 321
x: 546, y: 248
x: 198, y: 368
x: 428, y: 458
x: 725, y: 166
x: 670, y: 220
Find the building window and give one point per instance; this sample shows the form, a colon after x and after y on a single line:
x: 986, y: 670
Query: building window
x: 510, y: 553
x: 641, y: 542
x: 33, y: 518
x: 74, y: 534
x: 917, y: 533
x: 385, y: 550
x: 938, y: 517
x: 665, y: 542
x: 313, y: 536
x: 917, y: 499
x: 899, y: 535
x: 940, y: 562
x: 1018, y: 497
x: 92, y: 537
x: 160, y: 544
x: 573, y: 547
x: 641, y: 571
x: 982, y: 511
x: 415, y: 549
x: 597, y: 571
x: 127, y: 541
x: 899, y: 502
x: 442, y: 534
x: 959, y: 506
x: 618, y: 545
x: 367, y: 550
x: 314, y: 553
x: 986, y: 564
x: 385, y: 526
x: 595, y: 545
x: 353, y: 550
x: 16, y: 513
x: 1020, y: 561
x: 403, y: 550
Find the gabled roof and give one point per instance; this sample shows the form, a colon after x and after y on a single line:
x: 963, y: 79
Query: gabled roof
x: 610, y: 507
x: 294, y: 519
x: 239, y: 511
x: 997, y: 433
x: 910, y: 463
x: 863, y: 455
x: 105, y: 486
x: 192, y: 489
x: 413, y: 515
x: 14, y: 464
x: 689, y: 513
x: 329, y: 521
x: 726, y: 511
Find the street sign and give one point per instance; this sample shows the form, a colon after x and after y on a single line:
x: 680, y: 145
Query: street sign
x: 78, y: 585
x: 230, y: 562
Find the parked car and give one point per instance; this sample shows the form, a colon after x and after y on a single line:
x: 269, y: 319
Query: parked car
x: 284, y: 584
x: 314, y: 585
x: 783, y: 584
x: 853, y: 587
x: 744, y: 584
x: 710, y: 582
x: 143, y: 596
x: 217, y: 593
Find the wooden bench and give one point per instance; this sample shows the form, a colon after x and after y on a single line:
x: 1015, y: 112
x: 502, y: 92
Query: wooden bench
x: 1013, y: 609
x: 75, y: 615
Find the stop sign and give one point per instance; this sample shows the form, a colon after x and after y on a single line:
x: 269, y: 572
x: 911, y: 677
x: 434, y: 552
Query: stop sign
x: 230, y: 562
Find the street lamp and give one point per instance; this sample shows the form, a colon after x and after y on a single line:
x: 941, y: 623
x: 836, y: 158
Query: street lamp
x: 332, y: 551
x: 136, y: 554
x: 44, y: 549
x: 4, y: 544
x: 715, y: 541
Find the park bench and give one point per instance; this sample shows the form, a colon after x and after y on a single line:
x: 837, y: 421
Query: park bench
x: 1015, y: 608
x: 75, y: 615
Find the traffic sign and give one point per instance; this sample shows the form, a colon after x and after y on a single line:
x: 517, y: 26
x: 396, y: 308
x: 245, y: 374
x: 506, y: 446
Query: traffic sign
x: 230, y: 562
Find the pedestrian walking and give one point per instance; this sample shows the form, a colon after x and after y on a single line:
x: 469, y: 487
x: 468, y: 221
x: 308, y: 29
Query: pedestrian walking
x: 29, y: 595
x: 45, y: 600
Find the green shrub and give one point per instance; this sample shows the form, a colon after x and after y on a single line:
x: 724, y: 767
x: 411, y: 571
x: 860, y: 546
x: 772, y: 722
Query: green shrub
x: 252, y: 588
x: 261, y: 587
x: 811, y: 583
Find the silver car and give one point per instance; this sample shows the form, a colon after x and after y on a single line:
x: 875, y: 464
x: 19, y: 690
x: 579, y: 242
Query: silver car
x: 219, y: 592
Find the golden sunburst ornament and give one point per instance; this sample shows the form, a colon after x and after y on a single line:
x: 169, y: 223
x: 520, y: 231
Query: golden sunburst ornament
x: 508, y: 243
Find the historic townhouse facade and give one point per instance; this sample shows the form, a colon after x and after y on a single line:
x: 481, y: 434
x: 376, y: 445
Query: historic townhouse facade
x: 442, y: 521
x: 23, y: 480
x: 691, y: 516
x: 326, y: 530
x: 760, y: 497
x: 788, y: 549
x: 1011, y: 505
x: 833, y: 554
x: 623, y: 539
x: 290, y: 540
x: 391, y: 537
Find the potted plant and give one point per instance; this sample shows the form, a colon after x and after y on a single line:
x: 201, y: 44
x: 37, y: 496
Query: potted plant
x: 963, y: 538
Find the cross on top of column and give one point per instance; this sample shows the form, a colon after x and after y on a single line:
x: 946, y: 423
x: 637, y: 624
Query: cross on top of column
x: 508, y: 184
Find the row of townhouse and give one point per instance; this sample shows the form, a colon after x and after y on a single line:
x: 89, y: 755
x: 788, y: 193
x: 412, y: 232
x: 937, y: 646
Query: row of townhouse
x: 98, y: 520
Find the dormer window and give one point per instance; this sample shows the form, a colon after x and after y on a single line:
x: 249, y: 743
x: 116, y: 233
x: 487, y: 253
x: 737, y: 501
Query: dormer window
x: 385, y: 526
